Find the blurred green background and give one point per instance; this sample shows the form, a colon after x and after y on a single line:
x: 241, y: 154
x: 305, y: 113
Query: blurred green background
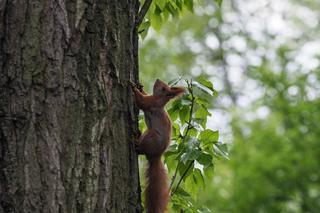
x: 263, y: 58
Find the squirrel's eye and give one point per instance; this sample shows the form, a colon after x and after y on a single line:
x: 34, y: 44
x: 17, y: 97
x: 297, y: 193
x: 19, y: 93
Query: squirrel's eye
x: 163, y: 89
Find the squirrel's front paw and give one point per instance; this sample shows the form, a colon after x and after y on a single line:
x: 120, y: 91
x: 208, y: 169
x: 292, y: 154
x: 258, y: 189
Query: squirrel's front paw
x: 133, y: 85
x: 139, y: 86
x: 136, y: 146
x: 136, y: 85
x: 138, y: 133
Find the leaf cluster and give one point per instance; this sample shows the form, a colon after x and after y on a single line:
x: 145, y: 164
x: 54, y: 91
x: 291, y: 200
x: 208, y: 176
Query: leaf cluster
x: 195, y: 147
x: 161, y: 11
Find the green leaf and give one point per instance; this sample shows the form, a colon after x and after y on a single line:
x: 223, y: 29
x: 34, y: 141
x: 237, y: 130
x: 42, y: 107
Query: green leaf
x: 190, y: 155
x: 219, y: 2
x: 209, y: 171
x: 205, y: 159
x: 182, y: 192
x: 203, y: 102
x: 199, y: 122
x: 202, y: 112
x: 182, y: 202
x: 196, y: 123
x: 173, y: 4
x: 221, y: 149
x: 198, y: 178
x: 161, y: 3
x: 183, y: 168
x: 218, y: 15
x: 175, y: 130
x: 144, y: 28
x: 174, y: 109
x: 174, y: 82
x: 174, y: 113
x: 186, y: 102
x: 172, y: 150
x: 170, y: 162
x: 193, y: 132
x: 152, y: 7
x: 206, y: 83
x: 186, y: 99
x: 201, y: 116
x: 209, y: 136
x: 142, y: 124
x: 189, y: 5
x: 176, y: 103
x: 184, y: 114
x: 179, y: 4
x: 172, y: 9
x: 202, y: 88
x: 182, y: 147
x: 156, y: 20
x: 192, y: 143
x: 192, y: 151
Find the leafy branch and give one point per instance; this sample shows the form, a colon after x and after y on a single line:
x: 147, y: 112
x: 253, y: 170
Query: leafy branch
x: 195, y: 147
x: 142, y: 13
x: 182, y: 177
x: 190, y: 89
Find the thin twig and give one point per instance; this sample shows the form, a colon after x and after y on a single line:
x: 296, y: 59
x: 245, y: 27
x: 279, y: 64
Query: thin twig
x: 174, y: 175
x: 181, y: 178
x: 187, y: 131
x: 142, y: 13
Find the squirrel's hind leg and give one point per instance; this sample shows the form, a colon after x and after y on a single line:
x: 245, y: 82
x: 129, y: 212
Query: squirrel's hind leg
x: 149, y: 143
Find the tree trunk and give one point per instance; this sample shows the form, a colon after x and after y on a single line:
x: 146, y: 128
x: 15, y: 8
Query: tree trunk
x: 66, y: 108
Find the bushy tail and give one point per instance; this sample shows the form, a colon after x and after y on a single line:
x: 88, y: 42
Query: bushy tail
x: 157, y: 190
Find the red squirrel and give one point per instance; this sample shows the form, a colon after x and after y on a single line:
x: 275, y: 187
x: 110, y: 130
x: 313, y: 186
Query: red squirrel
x: 155, y: 140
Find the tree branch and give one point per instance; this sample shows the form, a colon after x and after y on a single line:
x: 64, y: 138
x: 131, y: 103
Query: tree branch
x: 142, y: 13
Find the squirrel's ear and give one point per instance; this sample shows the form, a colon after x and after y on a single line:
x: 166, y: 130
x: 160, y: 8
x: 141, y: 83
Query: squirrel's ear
x: 157, y: 82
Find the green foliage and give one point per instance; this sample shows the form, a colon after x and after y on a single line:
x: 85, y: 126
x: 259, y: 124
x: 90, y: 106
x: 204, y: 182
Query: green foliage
x: 161, y: 11
x: 274, y: 160
x: 194, y: 148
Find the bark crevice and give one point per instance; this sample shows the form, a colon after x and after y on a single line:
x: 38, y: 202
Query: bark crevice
x: 67, y: 116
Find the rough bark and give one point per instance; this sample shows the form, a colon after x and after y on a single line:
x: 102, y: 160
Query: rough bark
x: 67, y: 116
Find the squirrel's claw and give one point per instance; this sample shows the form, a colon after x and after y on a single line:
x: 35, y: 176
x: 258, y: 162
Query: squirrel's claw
x: 136, y: 141
x: 139, y: 86
x: 136, y: 85
x: 136, y: 146
x: 132, y: 83
x: 138, y: 133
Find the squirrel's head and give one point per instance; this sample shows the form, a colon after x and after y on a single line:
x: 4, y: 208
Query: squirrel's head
x: 162, y: 90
